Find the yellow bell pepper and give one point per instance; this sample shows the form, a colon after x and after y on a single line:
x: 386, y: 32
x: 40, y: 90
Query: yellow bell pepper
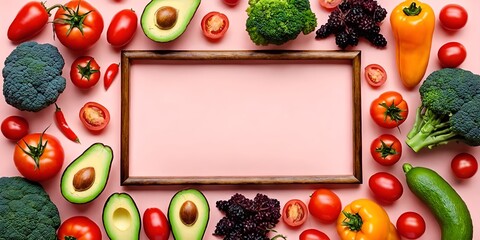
x: 413, y: 23
x: 364, y: 219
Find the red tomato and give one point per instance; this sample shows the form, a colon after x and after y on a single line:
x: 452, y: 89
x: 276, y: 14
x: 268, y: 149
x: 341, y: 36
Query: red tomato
x: 386, y: 149
x: 231, y: 2
x: 79, y: 228
x: 411, y: 225
x: 29, y: 21
x: 375, y: 75
x: 452, y: 54
x: 294, y: 213
x: 329, y: 4
x: 15, y: 127
x: 110, y: 75
x: 85, y: 72
x: 94, y: 116
x: 38, y: 156
x: 325, y: 205
x: 155, y: 224
x: 464, y: 165
x: 389, y: 110
x: 453, y: 17
x: 385, y: 187
x: 78, y: 25
x: 122, y: 28
x: 214, y: 25
x: 313, y: 234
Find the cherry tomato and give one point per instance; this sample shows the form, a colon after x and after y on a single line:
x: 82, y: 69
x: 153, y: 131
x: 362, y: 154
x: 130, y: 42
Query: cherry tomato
x: 29, y: 21
x: 386, y: 187
x: 386, y: 149
x: 15, y: 127
x: 231, y: 2
x: 79, y: 228
x: 453, y: 17
x: 452, y: 54
x: 329, y: 4
x: 389, y: 110
x: 78, y: 25
x: 325, y: 205
x: 122, y: 28
x: 38, y: 156
x: 294, y: 213
x: 214, y: 25
x: 155, y: 224
x: 313, y: 234
x: 110, y: 75
x: 464, y: 165
x: 85, y: 72
x: 411, y: 225
x: 94, y: 116
x: 375, y: 75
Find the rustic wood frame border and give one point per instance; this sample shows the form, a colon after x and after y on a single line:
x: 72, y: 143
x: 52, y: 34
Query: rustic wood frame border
x: 353, y: 57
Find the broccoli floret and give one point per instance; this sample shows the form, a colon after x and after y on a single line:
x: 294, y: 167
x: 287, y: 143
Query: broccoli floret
x: 26, y: 211
x: 279, y: 21
x: 449, y: 110
x: 33, y: 76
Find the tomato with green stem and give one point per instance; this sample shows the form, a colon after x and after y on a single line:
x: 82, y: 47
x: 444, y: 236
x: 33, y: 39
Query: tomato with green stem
x: 389, y: 110
x: 386, y: 149
x: 85, y: 72
x: 79, y: 228
x: 15, y: 127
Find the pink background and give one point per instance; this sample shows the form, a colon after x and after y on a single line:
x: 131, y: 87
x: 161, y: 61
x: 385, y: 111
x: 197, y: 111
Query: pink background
x: 237, y: 39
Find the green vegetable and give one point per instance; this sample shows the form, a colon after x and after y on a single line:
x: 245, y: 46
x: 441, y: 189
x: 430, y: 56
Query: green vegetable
x: 448, y: 207
x: 279, y: 21
x: 33, y: 76
x: 449, y: 111
x: 26, y: 211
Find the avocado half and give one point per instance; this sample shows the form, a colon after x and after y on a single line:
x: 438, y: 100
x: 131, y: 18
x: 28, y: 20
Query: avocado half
x: 85, y: 178
x: 188, y: 214
x: 178, y: 13
x: 121, y: 218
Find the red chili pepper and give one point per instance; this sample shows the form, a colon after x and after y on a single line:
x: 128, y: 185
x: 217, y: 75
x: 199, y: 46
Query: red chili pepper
x: 110, y: 75
x: 63, y: 126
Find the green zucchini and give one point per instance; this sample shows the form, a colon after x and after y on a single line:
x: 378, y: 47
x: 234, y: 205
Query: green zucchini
x: 443, y: 201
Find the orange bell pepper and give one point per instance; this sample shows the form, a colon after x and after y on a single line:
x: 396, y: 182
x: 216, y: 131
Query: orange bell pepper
x: 364, y: 219
x: 413, y: 23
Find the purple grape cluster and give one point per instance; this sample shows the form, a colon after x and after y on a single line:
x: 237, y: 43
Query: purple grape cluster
x: 353, y: 19
x: 246, y: 218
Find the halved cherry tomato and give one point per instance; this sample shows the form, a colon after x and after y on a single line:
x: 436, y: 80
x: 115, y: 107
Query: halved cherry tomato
x: 122, y: 28
x: 329, y: 4
x: 375, y: 75
x: 452, y: 54
x: 453, y: 17
x: 214, y: 25
x: 389, y: 110
x: 464, y: 165
x: 110, y: 75
x: 294, y: 213
x: 85, y: 72
x: 386, y: 149
x: 313, y: 234
x: 325, y: 205
x: 156, y: 225
x: 385, y: 186
x: 79, y: 228
x: 15, y: 127
x: 94, y: 116
x: 411, y: 225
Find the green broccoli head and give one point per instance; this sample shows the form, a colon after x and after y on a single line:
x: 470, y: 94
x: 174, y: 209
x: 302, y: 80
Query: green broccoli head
x: 26, y: 211
x: 279, y: 21
x: 466, y: 122
x: 33, y: 76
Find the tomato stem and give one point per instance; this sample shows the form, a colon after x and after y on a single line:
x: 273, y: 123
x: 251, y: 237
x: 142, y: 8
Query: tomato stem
x: 73, y: 18
x: 386, y: 150
x: 86, y: 71
x: 35, y: 152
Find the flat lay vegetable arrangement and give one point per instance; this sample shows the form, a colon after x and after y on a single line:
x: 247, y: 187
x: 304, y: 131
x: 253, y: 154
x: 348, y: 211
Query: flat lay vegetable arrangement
x: 59, y: 176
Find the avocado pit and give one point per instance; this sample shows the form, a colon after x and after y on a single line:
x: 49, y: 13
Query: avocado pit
x: 188, y: 213
x: 166, y: 17
x: 84, y: 179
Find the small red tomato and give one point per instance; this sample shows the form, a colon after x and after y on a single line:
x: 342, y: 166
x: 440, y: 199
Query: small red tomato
x: 15, y: 128
x: 110, y: 75
x: 375, y: 75
x: 155, y: 224
x: 85, y: 72
x: 29, y: 21
x: 231, y: 2
x: 329, y: 4
x: 214, y: 25
x: 389, y: 110
x: 464, y: 165
x: 313, y: 234
x: 325, y: 205
x: 452, y: 54
x: 386, y: 149
x: 453, y: 17
x: 94, y: 116
x: 122, y: 28
x: 386, y: 187
x: 411, y: 225
x: 294, y: 213
x: 80, y: 228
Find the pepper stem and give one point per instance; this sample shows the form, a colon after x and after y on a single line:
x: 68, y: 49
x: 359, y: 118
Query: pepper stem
x: 352, y: 221
x: 412, y: 10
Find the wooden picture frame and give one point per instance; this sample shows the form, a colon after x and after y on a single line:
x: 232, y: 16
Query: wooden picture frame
x: 351, y: 57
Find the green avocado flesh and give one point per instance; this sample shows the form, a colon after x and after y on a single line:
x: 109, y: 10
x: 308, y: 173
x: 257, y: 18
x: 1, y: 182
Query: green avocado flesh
x: 121, y: 218
x: 85, y: 177
x: 188, y: 214
x: 156, y: 30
